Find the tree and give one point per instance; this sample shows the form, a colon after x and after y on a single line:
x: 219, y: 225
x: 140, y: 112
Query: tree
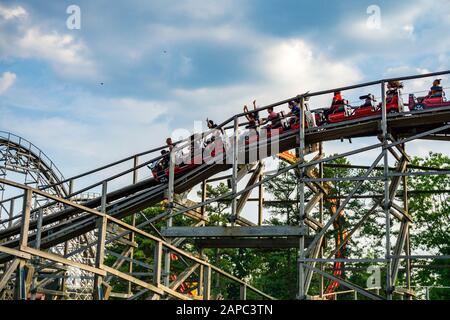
x: 431, y: 233
x: 275, y: 271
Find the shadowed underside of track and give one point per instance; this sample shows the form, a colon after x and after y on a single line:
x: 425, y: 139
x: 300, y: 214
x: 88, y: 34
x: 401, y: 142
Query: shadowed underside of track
x: 133, y: 198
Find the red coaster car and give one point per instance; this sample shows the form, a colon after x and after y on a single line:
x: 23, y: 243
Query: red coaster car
x: 285, y: 125
x: 422, y: 103
x: 160, y: 168
x: 347, y: 112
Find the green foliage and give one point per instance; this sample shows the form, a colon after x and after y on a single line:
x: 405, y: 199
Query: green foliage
x: 431, y: 212
x: 275, y: 271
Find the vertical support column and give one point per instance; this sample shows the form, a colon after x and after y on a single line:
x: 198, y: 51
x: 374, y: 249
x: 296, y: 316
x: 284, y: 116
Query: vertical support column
x: 170, y: 197
x: 135, y: 173
x: 101, y: 237
x: 386, y: 202
x: 130, y: 265
x: 37, y: 246
x: 66, y: 244
x: 321, y: 202
x: 20, y: 288
x: 157, y: 264
x: 39, y: 229
x: 70, y: 187
x: 202, y: 209
x: 200, y: 276
x: 243, y: 292
x: 11, y: 213
x: 301, y: 191
x: 63, y: 280
x: 235, y: 167
x: 206, y: 282
x: 25, y: 223
x: 260, y: 199
x: 201, y: 251
x: 407, y: 240
x: 133, y: 222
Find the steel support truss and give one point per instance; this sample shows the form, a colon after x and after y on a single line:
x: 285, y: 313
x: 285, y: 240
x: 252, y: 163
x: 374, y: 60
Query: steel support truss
x: 32, y: 268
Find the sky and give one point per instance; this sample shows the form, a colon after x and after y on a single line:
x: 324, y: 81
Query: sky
x: 137, y: 70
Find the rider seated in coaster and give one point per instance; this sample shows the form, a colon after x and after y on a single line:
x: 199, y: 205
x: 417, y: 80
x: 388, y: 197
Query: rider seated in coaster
x: 337, y: 103
x: 169, y: 143
x: 273, y: 118
x: 436, y: 90
x: 163, y: 162
x: 253, y: 117
x: 368, y: 100
x: 338, y: 100
x: 393, y: 86
x: 294, y: 112
x: 216, y: 131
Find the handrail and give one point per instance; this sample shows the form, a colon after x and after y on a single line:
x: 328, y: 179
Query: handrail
x: 264, y: 108
x: 221, y: 126
x: 126, y: 226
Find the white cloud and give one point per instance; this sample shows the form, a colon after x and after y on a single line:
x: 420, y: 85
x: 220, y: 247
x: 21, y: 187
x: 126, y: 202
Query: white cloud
x: 185, y: 66
x: 394, y: 26
x: 6, y: 81
x: 284, y: 69
x: 206, y: 10
x: 77, y: 144
x: 62, y: 51
x: 297, y: 66
x: 412, y: 30
x: 28, y: 39
x: 223, y: 33
x: 96, y: 130
x: 11, y: 13
x: 126, y: 110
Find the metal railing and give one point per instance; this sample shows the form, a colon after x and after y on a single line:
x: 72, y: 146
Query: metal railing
x: 27, y: 250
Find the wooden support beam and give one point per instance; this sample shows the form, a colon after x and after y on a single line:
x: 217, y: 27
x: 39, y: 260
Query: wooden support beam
x: 29, y: 278
x: 243, y: 292
x: 206, y: 283
x: 208, y: 232
x: 119, y: 295
x: 347, y: 284
x: 112, y: 232
x: 15, y: 252
x: 59, y: 259
x: 120, y: 261
x: 244, y: 197
x: 134, y: 280
x: 107, y: 292
x: 404, y: 227
x: 256, y: 243
x: 309, y: 272
x: 25, y: 222
x: 102, y: 223
x: 8, y: 273
x: 183, y: 276
x: 157, y: 263
x: 20, y: 290
x: 260, y: 199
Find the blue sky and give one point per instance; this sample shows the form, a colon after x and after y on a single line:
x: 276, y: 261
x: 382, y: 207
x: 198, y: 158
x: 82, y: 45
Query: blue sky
x: 167, y: 63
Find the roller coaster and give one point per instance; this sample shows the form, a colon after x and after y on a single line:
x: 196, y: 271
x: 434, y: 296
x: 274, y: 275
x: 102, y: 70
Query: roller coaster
x: 56, y: 233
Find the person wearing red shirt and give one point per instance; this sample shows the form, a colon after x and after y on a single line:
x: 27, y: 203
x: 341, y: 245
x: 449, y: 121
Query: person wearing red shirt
x: 338, y: 100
